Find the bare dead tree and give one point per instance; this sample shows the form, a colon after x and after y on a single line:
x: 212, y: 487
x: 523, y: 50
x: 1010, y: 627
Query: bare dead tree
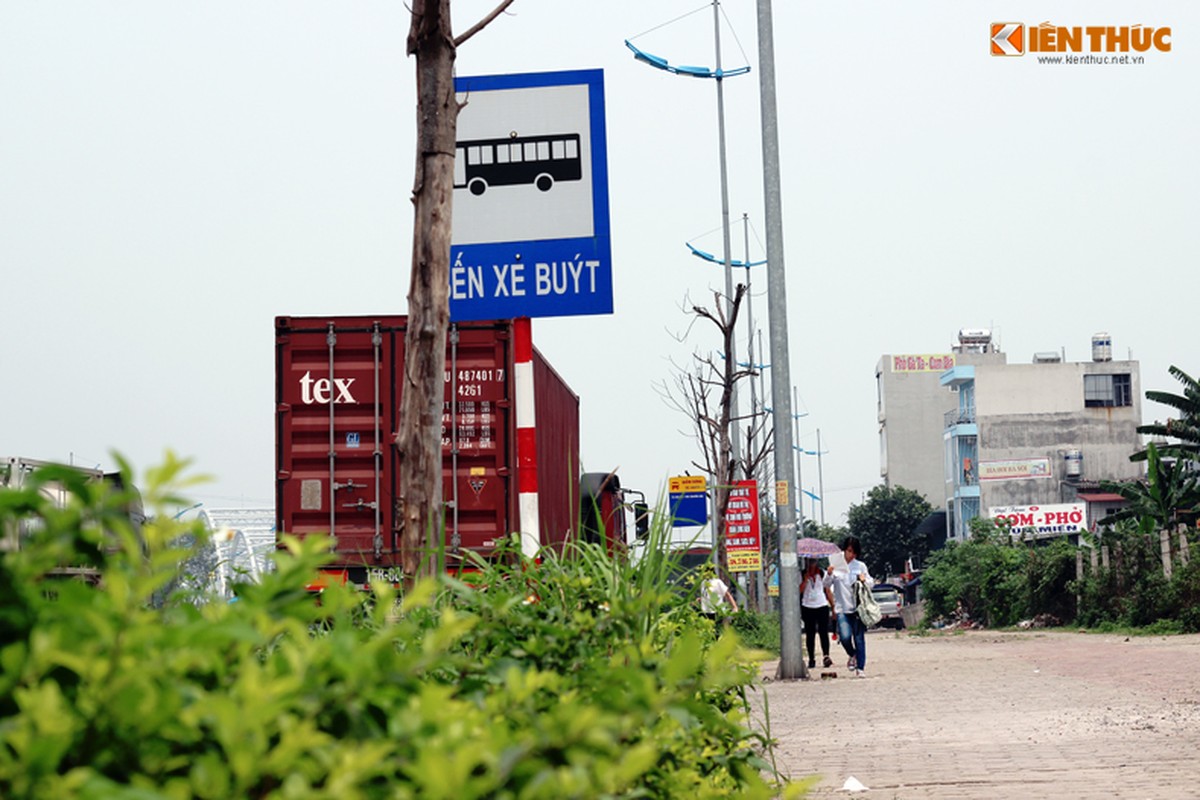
x: 704, y: 394
x: 431, y: 40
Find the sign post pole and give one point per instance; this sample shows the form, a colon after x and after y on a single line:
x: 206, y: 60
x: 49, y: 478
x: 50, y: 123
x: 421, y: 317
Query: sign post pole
x: 527, y: 476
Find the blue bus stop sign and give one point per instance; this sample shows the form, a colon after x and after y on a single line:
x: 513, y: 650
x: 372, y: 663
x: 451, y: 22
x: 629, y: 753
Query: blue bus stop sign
x: 688, y: 509
x: 531, y: 226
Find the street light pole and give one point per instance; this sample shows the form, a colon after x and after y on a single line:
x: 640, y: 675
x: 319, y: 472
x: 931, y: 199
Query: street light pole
x: 735, y: 449
x: 750, y: 342
x: 820, y: 477
x: 752, y: 455
x: 791, y: 661
x: 799, y: 465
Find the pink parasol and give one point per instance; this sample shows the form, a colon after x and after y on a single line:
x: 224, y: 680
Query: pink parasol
x: 815, y: 548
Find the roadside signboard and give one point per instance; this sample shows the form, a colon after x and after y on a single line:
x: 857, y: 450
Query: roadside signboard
x: 1040, y: 522
x: 1015, y: 469
x: 531, y: 225
x: 688, y: 496
x: 741, y: 528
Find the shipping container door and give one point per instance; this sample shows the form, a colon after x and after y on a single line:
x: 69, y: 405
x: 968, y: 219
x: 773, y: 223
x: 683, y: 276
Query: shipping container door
x: 333, y: 392
x: 476, y: 439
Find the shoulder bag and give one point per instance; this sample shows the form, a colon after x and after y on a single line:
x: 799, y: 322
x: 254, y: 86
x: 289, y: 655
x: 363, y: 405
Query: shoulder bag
x: 868, y: 608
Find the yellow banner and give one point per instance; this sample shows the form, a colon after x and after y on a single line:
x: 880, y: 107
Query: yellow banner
x: 781, y: 493
x: 938, y: 362
x: 687, y: 483
x: 744, y: 560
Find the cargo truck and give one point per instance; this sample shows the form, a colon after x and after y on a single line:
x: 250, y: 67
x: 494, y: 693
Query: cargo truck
x: 337, y: 400
x: 16, y: 472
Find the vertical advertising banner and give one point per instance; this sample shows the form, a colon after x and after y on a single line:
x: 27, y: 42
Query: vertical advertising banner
x: 741, y: 528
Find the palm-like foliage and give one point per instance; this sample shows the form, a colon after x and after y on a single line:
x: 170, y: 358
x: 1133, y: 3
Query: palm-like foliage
x: 1170, y: 494
x: 1185, y: 429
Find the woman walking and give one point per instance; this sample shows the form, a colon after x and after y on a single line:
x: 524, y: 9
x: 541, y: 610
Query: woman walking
x: 851, y: 631
x: 815, y: 602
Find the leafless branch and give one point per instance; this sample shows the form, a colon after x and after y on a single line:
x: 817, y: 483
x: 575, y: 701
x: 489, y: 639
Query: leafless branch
x: 483, y: 23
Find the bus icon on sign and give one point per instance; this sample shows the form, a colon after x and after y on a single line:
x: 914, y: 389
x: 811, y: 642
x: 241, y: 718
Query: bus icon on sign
x: 516, y: 161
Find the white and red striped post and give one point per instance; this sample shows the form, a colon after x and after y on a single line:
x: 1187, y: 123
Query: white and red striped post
x: 527, y: 477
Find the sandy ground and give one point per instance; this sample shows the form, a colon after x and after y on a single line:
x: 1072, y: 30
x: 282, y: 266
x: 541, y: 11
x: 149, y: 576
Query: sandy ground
x: 998, y: 715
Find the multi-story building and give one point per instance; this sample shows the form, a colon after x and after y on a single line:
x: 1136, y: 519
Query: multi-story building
x: 912, y: 408
x: 1021, y: 439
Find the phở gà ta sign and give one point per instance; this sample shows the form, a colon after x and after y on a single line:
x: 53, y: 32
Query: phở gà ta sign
x: 923, y: 363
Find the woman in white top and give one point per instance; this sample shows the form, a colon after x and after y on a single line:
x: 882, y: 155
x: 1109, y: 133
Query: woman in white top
x: 815, y: 602
x: 851, y: 632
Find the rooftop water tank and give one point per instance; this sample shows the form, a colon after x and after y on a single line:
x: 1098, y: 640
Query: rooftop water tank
x: 974, y: 335
x: 1101, y: 347
x: 974, y: 340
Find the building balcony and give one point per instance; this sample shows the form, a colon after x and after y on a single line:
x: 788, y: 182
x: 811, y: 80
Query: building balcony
x: 960, y: 416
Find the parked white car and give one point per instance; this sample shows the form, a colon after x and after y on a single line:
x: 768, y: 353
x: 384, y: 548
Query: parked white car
x: 890, y: 602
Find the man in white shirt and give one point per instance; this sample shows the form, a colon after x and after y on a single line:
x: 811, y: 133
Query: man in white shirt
x: 851, y: 631
x: 716, y: 601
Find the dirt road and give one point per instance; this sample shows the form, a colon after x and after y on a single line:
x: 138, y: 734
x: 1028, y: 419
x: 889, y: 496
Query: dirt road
x: 999, y: 715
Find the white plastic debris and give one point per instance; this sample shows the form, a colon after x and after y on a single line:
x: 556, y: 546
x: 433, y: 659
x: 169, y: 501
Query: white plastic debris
x: 853, y: 784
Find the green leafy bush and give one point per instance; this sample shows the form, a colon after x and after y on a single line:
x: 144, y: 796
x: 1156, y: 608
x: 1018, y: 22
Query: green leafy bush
x: 578, y: 677
x: 758, y: 630
x: 1134, y: 592
x: 1000, y: 582
x: 986, y: 577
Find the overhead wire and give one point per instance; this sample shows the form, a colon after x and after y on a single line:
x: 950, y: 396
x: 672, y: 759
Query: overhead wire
x: 733, y: 32
x: 705, y: 7
x: 672, y: 22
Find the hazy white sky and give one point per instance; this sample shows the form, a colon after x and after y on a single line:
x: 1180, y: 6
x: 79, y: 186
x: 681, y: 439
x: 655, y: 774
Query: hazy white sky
x: 175, y: 175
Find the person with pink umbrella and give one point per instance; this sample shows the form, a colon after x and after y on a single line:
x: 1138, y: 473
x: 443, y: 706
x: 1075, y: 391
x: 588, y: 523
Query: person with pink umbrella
x: 815, y: 601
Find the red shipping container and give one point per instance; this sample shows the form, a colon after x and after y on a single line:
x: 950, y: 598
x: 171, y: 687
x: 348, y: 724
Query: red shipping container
x: 337, y: 394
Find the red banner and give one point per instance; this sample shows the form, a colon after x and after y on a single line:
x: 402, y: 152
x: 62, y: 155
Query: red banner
x: 741, y: 528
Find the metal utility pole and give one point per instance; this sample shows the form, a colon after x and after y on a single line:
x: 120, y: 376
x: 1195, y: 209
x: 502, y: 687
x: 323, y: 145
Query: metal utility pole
x: 735, y: 450
x: 791, y: 661
x: 753, y: 453
x: 750, y: 336
x: 820, y: 477
x: 799, y: 466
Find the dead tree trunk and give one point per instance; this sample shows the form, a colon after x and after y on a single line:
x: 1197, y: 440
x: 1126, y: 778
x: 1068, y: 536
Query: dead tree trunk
x: 706, y: 397
x: 726, y: 466
x: 431, y: 40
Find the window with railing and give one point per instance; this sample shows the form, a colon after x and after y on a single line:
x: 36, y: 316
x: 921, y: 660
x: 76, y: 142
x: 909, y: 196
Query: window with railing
x: 960, y: 416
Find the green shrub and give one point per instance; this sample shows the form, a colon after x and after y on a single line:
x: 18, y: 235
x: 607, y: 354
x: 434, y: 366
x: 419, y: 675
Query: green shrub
x: 758, y: 630
x: 579, y: 677
x: 999, y: 582
x: 1185, y: 595
x: 985, y: 576
x: 1049, y: 574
